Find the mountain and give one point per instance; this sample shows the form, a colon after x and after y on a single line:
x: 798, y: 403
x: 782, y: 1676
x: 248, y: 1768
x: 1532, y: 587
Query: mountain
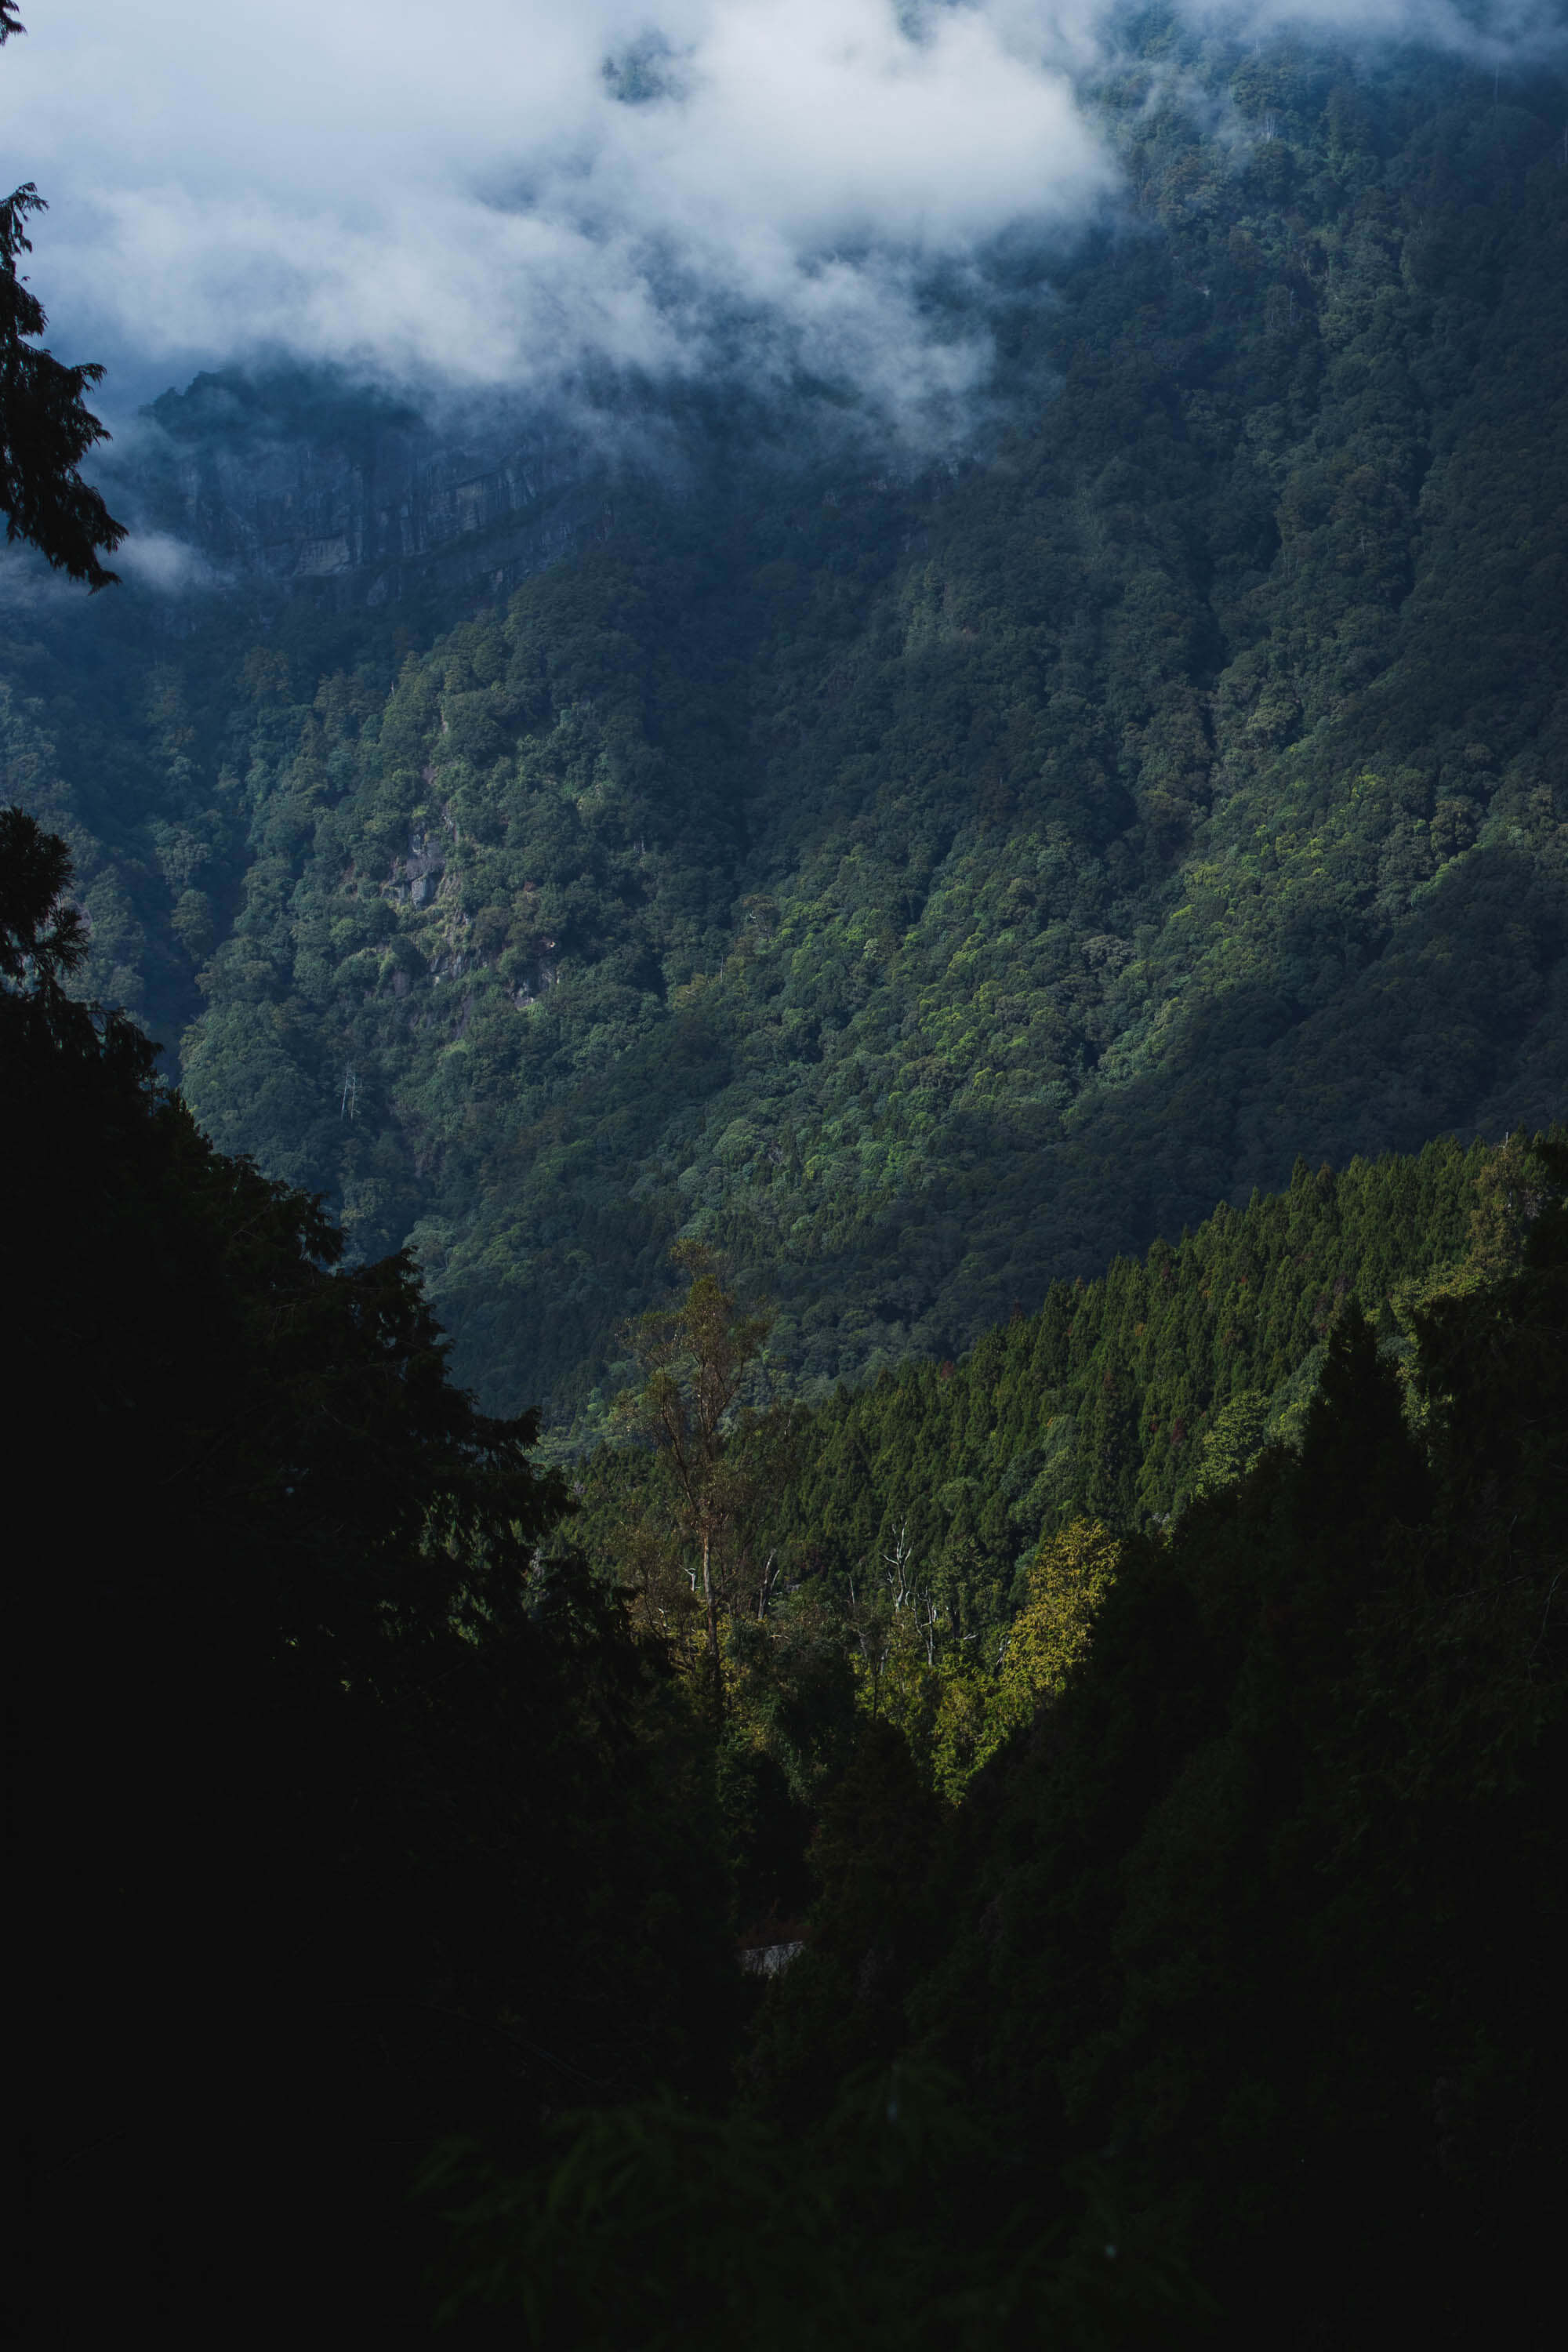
x: 329, y: 488
x: 1022, y: 1795
x: 920, y: 879
x: 1215, y: 1919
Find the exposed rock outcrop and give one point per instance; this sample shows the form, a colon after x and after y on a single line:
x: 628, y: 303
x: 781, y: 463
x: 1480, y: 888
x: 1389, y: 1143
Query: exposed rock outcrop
x: 352, y: 497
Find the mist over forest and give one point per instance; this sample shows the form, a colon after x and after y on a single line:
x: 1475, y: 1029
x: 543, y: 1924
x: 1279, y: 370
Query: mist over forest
x: 783, y: 980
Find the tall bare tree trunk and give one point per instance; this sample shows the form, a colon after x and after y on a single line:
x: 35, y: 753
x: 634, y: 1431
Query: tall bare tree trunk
x: 712, y: 1623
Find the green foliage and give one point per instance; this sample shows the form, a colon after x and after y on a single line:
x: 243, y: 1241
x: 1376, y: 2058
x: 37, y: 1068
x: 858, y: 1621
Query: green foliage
x: 1152, y: 1718
x: 1050, y: 1634
x: 349, y: 1809
x: 1258, y: 1923
x: 1240, y: 1934
x: 659, y: 2227
x: 1127, y: 1397
x: 955, y: 1709
x: 922, y: 1551
x: 918, y: 890
x: 698, y: 1359
x: 1249, y: 1943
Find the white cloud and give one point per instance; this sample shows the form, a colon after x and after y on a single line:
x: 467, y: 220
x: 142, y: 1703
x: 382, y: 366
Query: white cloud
x: 466, y: 192
x: 463, y: 192
x: 155, y: 560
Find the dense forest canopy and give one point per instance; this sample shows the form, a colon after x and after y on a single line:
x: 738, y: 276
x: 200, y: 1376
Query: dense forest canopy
x: 963, y: 1746
x: 1196, y: 1896
x: 917, y: 884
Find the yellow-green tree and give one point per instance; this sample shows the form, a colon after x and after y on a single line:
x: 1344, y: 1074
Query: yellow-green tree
x: 1072, y: 1573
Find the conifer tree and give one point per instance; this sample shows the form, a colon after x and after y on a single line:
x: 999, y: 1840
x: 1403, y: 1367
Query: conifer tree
x: 46, y: 426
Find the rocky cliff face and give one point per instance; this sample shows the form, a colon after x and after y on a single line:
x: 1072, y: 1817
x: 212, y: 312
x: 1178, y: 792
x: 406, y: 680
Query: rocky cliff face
x: 351, y: 498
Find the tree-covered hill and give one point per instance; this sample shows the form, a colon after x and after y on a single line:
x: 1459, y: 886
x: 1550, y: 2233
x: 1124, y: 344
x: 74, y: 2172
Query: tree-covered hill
x: 1224, y: 2004
x: 918, y: 886
x: 1126, y: 1397
x: 1019, y: 1800
x: 1218, y: 1917
x: 899, y: 1527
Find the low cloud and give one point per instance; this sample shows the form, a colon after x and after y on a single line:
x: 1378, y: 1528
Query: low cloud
x: 1490, y: 31
x: 146, y: 558
x: 508, y: 191
x: 155, y: 560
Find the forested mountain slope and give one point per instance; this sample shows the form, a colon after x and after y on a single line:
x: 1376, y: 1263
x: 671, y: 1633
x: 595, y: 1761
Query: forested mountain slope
x: 1250, y: 1938
x: 1125, y: 1398
x: 1242, y: 1945
x: 892, y: 1540
x: 1235, y: 1931
x: 920, y: 886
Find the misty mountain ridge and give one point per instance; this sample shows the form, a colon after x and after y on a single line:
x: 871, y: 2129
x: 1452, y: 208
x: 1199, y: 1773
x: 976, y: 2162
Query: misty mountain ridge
x: 297, y: 476
x: 919, y: 883
x: 840, y: 781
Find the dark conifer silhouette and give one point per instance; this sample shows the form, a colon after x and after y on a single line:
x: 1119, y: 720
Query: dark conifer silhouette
x: 46, y: 426
x: 345, y: 1792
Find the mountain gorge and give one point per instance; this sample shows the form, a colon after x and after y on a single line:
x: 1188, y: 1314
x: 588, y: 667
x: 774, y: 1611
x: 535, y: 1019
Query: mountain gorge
x: 918, y: 881
x: 788, y: 1229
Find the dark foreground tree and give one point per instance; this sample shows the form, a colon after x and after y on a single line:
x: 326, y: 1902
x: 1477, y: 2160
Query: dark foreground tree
x: 46, y: 426
x: 351, y: 1814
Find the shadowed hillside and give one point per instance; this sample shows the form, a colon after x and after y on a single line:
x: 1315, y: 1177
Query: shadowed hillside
x: 916, y: 886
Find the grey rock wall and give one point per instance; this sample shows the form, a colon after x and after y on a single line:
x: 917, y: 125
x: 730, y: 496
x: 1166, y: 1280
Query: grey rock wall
x: 356, y: 501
